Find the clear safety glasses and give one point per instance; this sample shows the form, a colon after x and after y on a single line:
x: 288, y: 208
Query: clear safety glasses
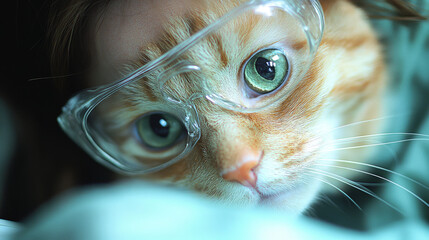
x: 246, y: 60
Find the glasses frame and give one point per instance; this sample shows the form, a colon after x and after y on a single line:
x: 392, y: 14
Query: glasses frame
x: 74, y: 117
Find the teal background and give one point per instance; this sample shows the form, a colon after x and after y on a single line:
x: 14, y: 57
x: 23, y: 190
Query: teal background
x: 406, y: 47
x: 407, y: 52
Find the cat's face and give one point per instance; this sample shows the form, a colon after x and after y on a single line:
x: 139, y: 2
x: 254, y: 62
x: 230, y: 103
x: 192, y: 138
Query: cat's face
x: 257, y: 158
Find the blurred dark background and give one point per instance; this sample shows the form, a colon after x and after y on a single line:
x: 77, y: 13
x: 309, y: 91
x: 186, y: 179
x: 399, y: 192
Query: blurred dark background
x: 44, y: 162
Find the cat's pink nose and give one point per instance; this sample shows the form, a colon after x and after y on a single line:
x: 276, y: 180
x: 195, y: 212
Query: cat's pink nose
x: 244, y: 173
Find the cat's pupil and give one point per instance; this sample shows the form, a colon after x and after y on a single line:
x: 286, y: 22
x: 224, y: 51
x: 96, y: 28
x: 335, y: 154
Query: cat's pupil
x: 265, y: 68
x: 159, y: 125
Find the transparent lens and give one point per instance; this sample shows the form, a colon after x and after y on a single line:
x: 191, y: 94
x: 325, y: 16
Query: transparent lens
x: 266, y: 71
x: 159, y: 131
x: 140, y: 132
x: 267, y: 54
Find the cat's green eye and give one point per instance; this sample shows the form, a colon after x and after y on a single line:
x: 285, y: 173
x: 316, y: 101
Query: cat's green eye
x: 266, y: 70
x: 159, y: 130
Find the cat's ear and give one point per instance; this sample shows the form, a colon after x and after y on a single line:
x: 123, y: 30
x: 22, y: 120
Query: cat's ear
x: 391, y: 9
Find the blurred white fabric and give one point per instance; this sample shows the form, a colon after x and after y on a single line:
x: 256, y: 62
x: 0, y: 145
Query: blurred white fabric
x: 139, y: 210
x: 8, y: 229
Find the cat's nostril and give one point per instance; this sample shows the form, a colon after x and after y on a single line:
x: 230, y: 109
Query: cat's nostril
x: 243, y: 173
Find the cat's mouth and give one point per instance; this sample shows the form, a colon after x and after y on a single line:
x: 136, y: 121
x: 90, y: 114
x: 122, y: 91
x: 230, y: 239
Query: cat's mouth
x: 274, y: 199
x: 277, y: 198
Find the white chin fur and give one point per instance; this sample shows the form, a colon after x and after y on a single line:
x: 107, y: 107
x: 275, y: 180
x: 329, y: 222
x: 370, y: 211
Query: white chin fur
x: 294, y: 201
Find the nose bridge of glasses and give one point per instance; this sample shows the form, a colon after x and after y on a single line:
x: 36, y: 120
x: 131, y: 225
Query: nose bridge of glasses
x: 192, y: 120
x: 189, y: 114
x: 170, y: 72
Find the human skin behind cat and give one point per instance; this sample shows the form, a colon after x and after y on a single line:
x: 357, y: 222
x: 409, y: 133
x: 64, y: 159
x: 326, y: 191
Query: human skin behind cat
x: 275, y: 156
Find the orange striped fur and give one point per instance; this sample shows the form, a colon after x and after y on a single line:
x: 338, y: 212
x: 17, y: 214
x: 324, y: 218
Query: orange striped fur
x: 343, y: 85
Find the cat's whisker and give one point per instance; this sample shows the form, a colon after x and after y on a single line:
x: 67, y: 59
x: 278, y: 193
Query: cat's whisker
x: 359, y: 123
x: 374, y: 145
x: 352, y: 184
x: 386, y: 147
x: 382, y: 135
x: 337, y: 188
x: 371, y: 184
x: 378, y: 167
x: 380, y: 177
